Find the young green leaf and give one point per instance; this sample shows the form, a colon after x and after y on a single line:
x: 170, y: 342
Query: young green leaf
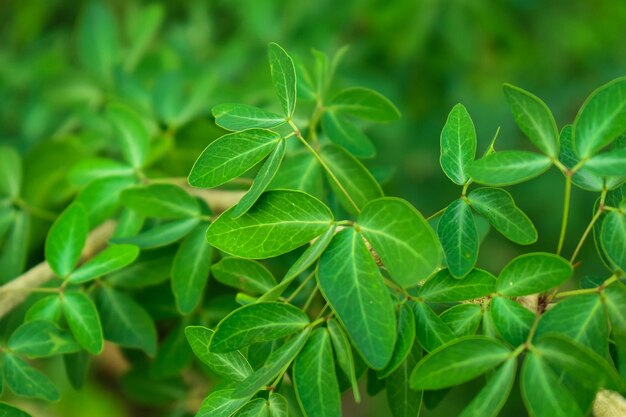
x: 402, y: 400
x: 277, y: 361
x: 7, y: 410
x: 314, y: 377
x: 402, y: 238
x: 10, y: 172
x: 404, y: 340
x: 124, y: 321
x: 161, y: 235
x: 255, y: 323
x: 190, y: 270
x: 355, y: 179
x: 583, y: 318
x: 542, y: 391
x: 459, y: 361
x: 231, y: 365
x: 174, y: 354
x: 48, y: 308
x: 26, y: 381
x: 463, y: 319
x: 83, y: 320
x: 444, y: 288
x: 98, y: 40
x: 161, y: 201
x: 109, y: 260
x: 508, y: 167
x: 221, y: 403
x: 40, y: 339
x: 432, y: 332
x: 458, y: 144
x: 498, y: 207
x: 131, y: 133
x: 615, y: 300
x: 66, y: 240
x: 534, y: 118
x: 608, y: 163
x: 91, y: 169
x: 613, y: 238
x: 343, y: 352
x: 150, y: 268
x: 243, y: 274
x: 76, y: 367
x: 459, y: 238
x: 278, y: 405
x: 601, y: 118
x: 15, y: 249
x: 583, y: 177
x: 342, y: 132
x: 257, y: 407
x: 512, y: 321
x: 230, y: 156
x: 101, y: 197
x: 347, y: 268
x: 300, y: 171
x: 532, y: 273
x: 494, y: 394
x: 264, y: 177
x: 235, y: 117
x: 142, y: 26
x: 283, y: 77
x: 279, y: 222
x: 364, y: 103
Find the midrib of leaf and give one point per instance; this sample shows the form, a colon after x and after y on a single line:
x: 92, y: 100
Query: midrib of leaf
x: 448, y: 367
x: 237, y: 158
x: 270, y: 326
x: 400, y: 242
x: 587, y: 321
x: 287, y: 222
x: 22, y: 371
x: 606, y: 120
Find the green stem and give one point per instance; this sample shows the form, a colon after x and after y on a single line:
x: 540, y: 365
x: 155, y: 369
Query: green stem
x: 437, y: 214
x: 566, y: 203
x: 35, y: 211
x: 589, y: 228
x: 308, y: 302
x: 323, y: 164
x: 303, y: 284
x: 575, y: 292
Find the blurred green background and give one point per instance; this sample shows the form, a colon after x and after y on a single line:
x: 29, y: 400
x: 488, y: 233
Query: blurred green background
x: 426, y: 55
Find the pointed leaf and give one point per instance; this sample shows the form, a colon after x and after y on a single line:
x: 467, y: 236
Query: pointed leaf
x: 608, y: 163
x: 40, y: 339
x: 494, y: 394
x: 512, y: 321
x: 235, y: 116
x: 342, y: 132
x: 109, y: 260
x: 131, y: 133
x: 532, y: 273
x: 458, y: 144
x: 402, y: 400
x: 26, y: 381
x: 66, y: 240
x: 508, y: 167
x: 404, y: 341
x: 243, y: 274
x: 459, y: 238
x: 366, y: 104
x: 444, y: 288
x: 613, y: 238
x: 161, y: 201
x: 432, y: 332
x: 463, y: 319
x: 161, y: 235
x: 83, y: 320
x: 343, y: 352
x: 283, y: 77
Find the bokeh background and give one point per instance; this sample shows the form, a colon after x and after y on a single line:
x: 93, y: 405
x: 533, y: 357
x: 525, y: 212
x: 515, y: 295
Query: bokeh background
x: 426, y: 55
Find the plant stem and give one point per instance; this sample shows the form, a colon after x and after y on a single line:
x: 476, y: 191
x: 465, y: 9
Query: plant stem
x: 303, y: 284
x: 437, y: 214
x: 575, y: 292
x: 308, y: 302
x: 566, y: 203
x: 35, y: 211
x: 589, y: 228
x: 323, y: 164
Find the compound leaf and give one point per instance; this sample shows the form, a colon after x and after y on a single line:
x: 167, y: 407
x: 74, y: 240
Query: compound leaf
x: 532, y: 273
x: 235, y: 117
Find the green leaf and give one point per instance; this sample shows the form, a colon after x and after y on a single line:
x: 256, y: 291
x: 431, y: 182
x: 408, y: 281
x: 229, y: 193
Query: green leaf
x: 402, y: 238
x: 101, y: 197
x: 615, y: 300
x: 161, y: 235
x: 26, y: 381
x: 76, y: 367
x: 463, y: 319
x: 432, y: 332
x: 14, y: 252
x: 543, y: 393
x: 231, y: 365
x: 234, y: 116
x: 40, y: 339
x: 444, y: 288
x: 161, y: 201
x: 232, y: 155
x: 48, y: 308
x: 279, y: 222
x: 459, y: 238
x: 7, y: 410
x: 91, y: 169
x: 457, y: 362
x: 613, y: 238
x: 582, y: 317
x: 141, y: 28
x: 243, y: 274
x: 190, y: 270
x: 124, y: 321
x: 583, y: 177
x: 458, y: 144
x: 10, y: 172
x: 579, y: 362
x: 342, y: 132
x: 534, y: 118
x: 221, y: 403
x: 512, y: 321
x: 608, y: 163
x: 150, y: 268
x: 277, y: 361
x: 498, y: 207
x: 402, y: 400
x: 347, y: 268
x: 343, y: 352
x: 109, y: 260
x: 66, y: 240
x: 508, y: 167
x: 278, y: 405
x: 404, y: 340
x: 314, y: 377
x: 98, y: 40
x: 283, y: 77
x: 257, y: 407
x: 130, y: 132
x: 494, y: 394
x: 355, y: 179
x: 301, y: 172
x: 174, y: 354
x: 255, y: 323
x: 601, y: 118
x: 364, y: 103
x: 83, y: 320
x: 261, y: 182
x: 532, y: 273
